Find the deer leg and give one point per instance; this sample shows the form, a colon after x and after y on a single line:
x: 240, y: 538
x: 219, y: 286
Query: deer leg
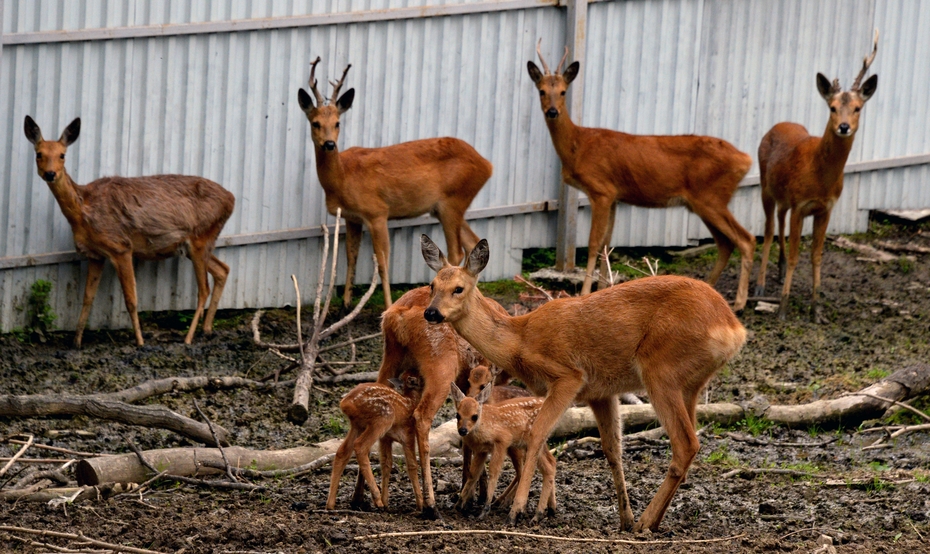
x: 516, y: 458
x: 339, y: 465
x: 198, y: 256
x: 366, y: 440
x: 729, y: 234
x: 353, y: 244
x: 600, y: 212
x: 607, y: 414
x: 781, y: 242
x: 381, y: 241
x: 467, y: 237
x: 494, y: 472
x: 820, y: 234
x: 674, y: 415
x: 561, y: 393
x: 608, y: 234
x: 794, y: 251
x: 220, y: 272
x: 94, y: 271
x: 127, y: 279
x: 724, y: 251
x: 768, y: 206
x: 434, y: 394
x: 410, y: 460
x: 386, y: 461
x: 452, y: 221
x: 547, y: 494
x: 468, y: 489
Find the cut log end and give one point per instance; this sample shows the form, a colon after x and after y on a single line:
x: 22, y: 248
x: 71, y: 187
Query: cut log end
x: 298, y: 414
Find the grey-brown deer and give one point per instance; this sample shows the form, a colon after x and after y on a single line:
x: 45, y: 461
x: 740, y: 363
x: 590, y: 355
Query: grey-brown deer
x: 666, y: 335
x: 804, y: 174
x: 698, y: 172
x: 440, y: 176
x: 499, y: 430
x: 150, y: 218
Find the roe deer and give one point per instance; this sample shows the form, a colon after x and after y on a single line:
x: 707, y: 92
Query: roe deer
x: 496, y: 430
x: 666, y: 334
x: 377, y: 413
x: 804, y: 174
x: 435, y: 353
x: 151, y: 218
x: 372, y: 185
x: 481, y: 376
x: 698, y: 172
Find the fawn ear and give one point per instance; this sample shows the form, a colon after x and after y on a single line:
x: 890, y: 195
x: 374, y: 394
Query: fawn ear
x: 397, y: 384
x: 571, y: 72
x: 71, y: 132
x: 868, y: 88
x: 306, y: 103
x: 432, y: 254
x: 478, y: 258
x: 485, y: 393
x: 33, y: 133
x: 824, y: 87
x: 457, y: 394
x: 535, y: 74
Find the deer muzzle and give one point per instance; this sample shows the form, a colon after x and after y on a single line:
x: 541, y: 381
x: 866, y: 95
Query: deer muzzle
x: 463, y: 431
x: 432, y: 315
x: 552, y: 113
x: 329, y: 145
x: 49, y: 176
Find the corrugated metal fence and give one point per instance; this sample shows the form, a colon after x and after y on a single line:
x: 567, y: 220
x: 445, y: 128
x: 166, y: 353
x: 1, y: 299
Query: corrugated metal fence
x: 209, y: 88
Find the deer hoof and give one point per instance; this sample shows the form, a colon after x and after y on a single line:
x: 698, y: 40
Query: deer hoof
x: 431, y: 513
x: 760, y: 290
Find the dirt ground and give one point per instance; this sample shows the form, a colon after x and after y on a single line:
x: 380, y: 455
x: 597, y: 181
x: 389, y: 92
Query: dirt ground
x: 865, y: 500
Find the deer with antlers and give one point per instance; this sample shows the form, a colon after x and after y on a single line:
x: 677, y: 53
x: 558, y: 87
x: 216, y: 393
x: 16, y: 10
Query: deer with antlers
x: 666, y: 335
x: 372, y: 185
x: 698, y: 172
x: 378, y: 413
x: 804, y: 174
x: 151, y: 218
x: 438, y: 356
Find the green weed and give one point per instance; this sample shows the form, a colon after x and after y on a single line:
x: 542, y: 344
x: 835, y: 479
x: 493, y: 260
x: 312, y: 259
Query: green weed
x: 722, y: 457
x: 755, y: 425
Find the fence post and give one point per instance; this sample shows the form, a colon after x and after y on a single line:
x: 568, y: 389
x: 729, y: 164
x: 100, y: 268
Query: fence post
x: 577, y: 21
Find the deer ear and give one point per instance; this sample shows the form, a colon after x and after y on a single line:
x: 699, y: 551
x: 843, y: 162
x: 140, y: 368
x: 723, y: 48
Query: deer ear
x: 571, y: 72
x: 71, y: 132
x: 824, y: 87
x: 33, y: 133
x: 306, y: 103
x: 478, y: 258
x: 535, y: 74
x: 456, y: 393
x: 432, y: 254
x: 868, y: 88
x: 485, y: 393
x: 345, y: 101
x: 397, y: 384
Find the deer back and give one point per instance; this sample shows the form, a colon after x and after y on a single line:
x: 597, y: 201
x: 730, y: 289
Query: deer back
x: 370, y: 401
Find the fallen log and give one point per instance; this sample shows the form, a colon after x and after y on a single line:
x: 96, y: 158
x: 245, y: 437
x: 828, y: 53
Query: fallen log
x: 42, y: 405
x: 188, y: 462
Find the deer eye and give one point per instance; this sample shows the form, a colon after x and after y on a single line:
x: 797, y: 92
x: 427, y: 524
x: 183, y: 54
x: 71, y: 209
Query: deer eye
x: 857, y: 110
x: 458, y: 290
x: 458, y: 417
x: 62, y: 156
x: 542, y: 93
x: 337, y: 124
x: 563, y: 93
x: 474, y: 417
x: 481, y: 387
x: 316, y: 125
x: 832, y: 109
x: 38, y: 157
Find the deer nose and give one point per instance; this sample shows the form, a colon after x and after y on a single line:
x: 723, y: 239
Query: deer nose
x: 329, y: 145
x: 49, y: 176
x: 844, y: 128
x: 552, y: 113
x: 463, y: 431
x: 432, y: 315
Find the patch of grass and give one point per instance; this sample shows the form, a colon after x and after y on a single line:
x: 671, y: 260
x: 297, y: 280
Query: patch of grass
x: 535, y: 259
x: 814, y: 431
x: 335, y: 426
x: 922, y: 476
x: 877, y: 373
x: 721, y: 457
x: 755, y: 425
x: 905, y: 265
x: 40, y: 318
x: 504, y: 288
x: 878, y: 466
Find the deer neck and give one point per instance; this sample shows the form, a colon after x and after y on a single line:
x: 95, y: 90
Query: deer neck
x: 564, y: 136
x: 494, y: 334
x: 69, y: 198
x: 832, y: 153
x: 329, y: 169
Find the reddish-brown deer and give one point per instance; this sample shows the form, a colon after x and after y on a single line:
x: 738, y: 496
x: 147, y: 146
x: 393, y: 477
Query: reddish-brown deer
x: 150, y: 218
x: 500, y: 430
x: 372, y: 185
x: 482, y: 376
x: 698, y: 172
x: 378, y: 413
x: 804, y: 174
x: 666, y: 335
x: 435, y: 353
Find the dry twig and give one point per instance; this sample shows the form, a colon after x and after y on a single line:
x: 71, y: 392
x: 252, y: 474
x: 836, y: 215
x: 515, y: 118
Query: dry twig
x: 537, y: 536
x: 78, y: 537
x: 18, y: 454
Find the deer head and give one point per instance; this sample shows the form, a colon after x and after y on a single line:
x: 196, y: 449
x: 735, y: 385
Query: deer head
x: 552, y: 86
x: 479, y: 378
x: 50, y: 155
x: 468, y: 410
x: 324, y: 118
x: 846, y: 106
x: 453, y: 286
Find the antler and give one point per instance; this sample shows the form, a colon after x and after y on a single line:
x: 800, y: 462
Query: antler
x: 541, y: 60
x: 835, y: 88
x: 337, y: 86
x: 565, y: 55
x: 866, y: 62
x: 316, y: 92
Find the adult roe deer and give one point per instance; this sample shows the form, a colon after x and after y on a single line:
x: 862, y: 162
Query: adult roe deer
x: 804, y: 174
x: 698, y: 172
x: 666, y: 334
x: 496, y: 430
x: 151, y: 218
x: 378, y: 413
x: 372, y: 185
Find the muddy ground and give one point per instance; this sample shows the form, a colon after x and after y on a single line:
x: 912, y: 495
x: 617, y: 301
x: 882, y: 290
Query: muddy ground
x: 866, y: 500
